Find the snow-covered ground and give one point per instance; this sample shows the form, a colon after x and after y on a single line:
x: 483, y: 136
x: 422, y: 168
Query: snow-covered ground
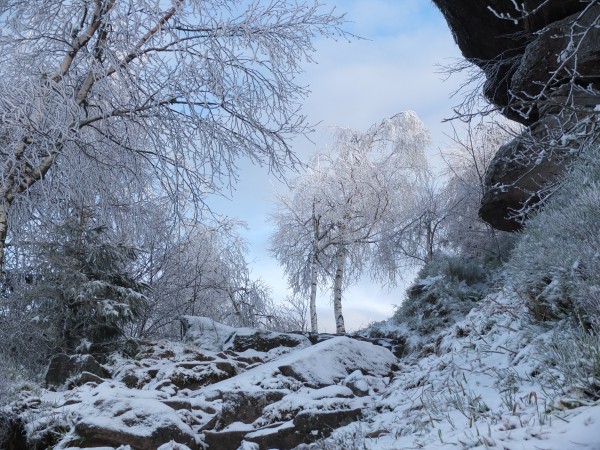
x: 485, y: 382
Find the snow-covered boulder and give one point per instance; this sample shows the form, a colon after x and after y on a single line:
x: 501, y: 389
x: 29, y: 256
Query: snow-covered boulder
x: 323, y: 364
x: 142, y: 423
x: 333, y: 360
x: 262, y: 340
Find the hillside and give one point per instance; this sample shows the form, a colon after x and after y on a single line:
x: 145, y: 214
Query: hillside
x: 492, y: 380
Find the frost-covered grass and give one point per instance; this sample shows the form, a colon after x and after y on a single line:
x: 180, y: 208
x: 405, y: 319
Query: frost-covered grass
x: 494, y: 380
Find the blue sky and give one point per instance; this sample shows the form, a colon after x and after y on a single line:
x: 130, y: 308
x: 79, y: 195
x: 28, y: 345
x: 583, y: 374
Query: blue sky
x: 356, y: 85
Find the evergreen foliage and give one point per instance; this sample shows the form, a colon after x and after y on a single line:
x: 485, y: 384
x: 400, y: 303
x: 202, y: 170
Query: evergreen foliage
x: 83, y: 288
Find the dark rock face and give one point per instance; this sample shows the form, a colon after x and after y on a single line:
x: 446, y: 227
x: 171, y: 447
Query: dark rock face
x: 519, y: 177
x: 62, y: 367
x: 548, y: 61
x: 543, y: 70
x: 324, y: 422
x: 246, y: 407
x: 498, y: 45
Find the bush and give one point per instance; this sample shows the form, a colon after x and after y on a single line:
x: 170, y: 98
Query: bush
x: 556, y: 264
x: 445, y: 291
x: 574, y: 355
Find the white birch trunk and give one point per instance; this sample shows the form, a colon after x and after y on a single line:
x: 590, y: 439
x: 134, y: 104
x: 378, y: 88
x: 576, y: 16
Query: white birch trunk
x: 3, y: 231
x: 337, y: 290
x: 429, y: 242
x: 314, y: 326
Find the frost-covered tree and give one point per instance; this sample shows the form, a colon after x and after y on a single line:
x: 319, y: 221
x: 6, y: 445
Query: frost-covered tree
x: 467, y: 162
x: 197, y: 269
x: 180, y: 88
x: 301, y: 237
x: 354, y: 195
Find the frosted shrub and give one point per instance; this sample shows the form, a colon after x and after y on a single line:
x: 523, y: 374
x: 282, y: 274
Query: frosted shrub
x: 574, y: 355
x: 445, y: 291
x: 556, y: 264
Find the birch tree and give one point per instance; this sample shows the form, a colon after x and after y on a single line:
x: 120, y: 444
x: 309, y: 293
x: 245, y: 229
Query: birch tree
x: 182, y: 88
x: 352, y: 197
x: 301, y: 237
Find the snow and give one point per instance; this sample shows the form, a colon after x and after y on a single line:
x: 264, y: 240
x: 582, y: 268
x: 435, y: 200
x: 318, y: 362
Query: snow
x: 485, y: 390
x: 481, y: 383
x: 206, y: 333
x: 319, y: 365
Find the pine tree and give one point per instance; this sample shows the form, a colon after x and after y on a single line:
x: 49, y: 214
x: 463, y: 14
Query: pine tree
x: 85, y: 289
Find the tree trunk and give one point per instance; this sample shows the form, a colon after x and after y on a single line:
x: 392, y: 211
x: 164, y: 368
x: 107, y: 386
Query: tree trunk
x: 429, y: 242
x: 314, y: 326
x: 337, y: 290
x: 3, y: 231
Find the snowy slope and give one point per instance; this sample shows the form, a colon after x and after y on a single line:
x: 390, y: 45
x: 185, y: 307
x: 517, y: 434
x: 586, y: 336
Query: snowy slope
x: 486, y: 382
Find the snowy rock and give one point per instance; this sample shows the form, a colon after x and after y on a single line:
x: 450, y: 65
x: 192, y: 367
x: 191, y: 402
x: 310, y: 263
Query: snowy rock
x: 283, y: 436
x: 320, y: 423
x: 224, y: 440
x: 246, y: 406
x: 262, y: 341
x: 331, y: 361
x: 85, y: 377
x: 200, y: 375
x: 357, y: 383
x: 142, y: 423
x: 205, y: 332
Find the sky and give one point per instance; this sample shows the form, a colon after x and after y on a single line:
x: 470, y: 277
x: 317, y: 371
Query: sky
x: 396, y: 67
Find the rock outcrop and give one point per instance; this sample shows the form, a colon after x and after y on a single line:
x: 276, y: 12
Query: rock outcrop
x: 542, y: 68
x: 223, y: 388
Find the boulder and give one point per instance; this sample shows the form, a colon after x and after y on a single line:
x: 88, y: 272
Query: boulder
x: 85, y: 377
x: 526, y: 170
x: 513, y: 181
x: 202, y: 374
x: 262, y: 340
x: 224, y: 440
x: 284, y: 436
x: 551, y: 55
x: 331, y: 361
x: 143, y: 424
x: 318, y: 424
x: 497, y: 44
x: 246, y: 406
x: 62, y: 367
x: 539, y: 68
